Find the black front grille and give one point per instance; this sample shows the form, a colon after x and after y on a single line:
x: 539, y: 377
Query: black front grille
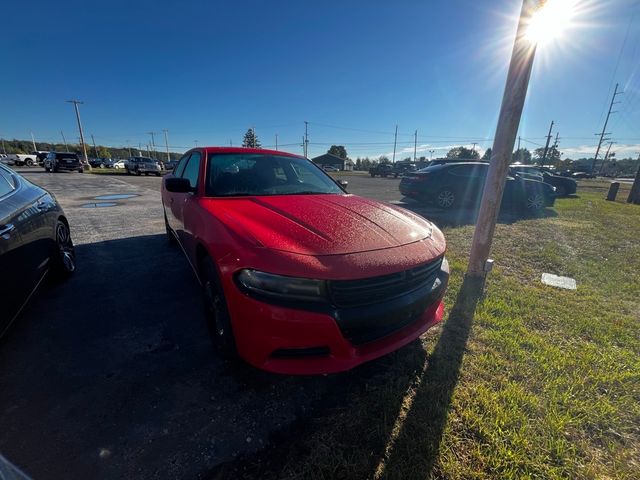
x: 365, y: 291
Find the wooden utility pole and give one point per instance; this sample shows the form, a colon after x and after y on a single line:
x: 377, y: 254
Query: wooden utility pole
x: 415, y: 145
x: 95, y: 149
x: 166, y: 143
x: 64, y: 140
x: 546, y: 146
x: 395, y: 141
x: 634, y: 194
x: 515, y: 93
x: 604, y: 127
x: 83, y: 144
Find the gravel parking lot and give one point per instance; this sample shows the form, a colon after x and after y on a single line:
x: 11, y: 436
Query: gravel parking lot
x: 111, y: 374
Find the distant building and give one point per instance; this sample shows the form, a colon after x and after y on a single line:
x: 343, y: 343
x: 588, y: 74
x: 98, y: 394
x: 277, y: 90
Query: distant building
x: 330, y: 160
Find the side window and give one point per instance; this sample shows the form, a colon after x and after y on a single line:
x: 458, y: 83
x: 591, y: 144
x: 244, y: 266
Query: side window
x: 181, y: 164
x: 192, y: 169
x: 6, y: 183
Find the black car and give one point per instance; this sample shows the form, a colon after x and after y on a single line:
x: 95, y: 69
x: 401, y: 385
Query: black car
x: 170, y: 165
x: 454, y: 185
x: 61, y: 161
x: 564, y: 186
x: 140, y: 165
x: 34, y: 239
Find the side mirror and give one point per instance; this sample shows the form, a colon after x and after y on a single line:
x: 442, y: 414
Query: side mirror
x: 177, y: 185
x: 343, y: 184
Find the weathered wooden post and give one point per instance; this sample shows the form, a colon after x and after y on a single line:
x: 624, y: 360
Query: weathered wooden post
x: 613, y: 191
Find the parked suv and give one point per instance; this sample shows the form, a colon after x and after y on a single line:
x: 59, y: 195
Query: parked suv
x: 146, y: 165
x: 58, y: 161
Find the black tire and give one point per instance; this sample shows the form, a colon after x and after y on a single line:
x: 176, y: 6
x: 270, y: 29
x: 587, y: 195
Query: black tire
x: 128, y: 172
x: 81, y: 170
x: 216, y: 312
x: 138, y: 173
x: 29, y: 162
x: 171, y: 238
x: 47, y: 169
x: 373, y: 175
x: 157, y: 174
x: 63, y: 257
x: 446, y: 199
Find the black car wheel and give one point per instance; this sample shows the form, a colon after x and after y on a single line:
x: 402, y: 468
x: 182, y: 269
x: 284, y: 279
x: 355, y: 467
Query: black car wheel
x: 29, y: 162
x: 446, y: 198
x: 63, y: 258
x: 139, y: 173
x: 216, y: 312
x: 534, y: 201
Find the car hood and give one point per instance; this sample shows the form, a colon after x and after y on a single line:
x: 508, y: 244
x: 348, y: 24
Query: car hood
x: 320, y: 224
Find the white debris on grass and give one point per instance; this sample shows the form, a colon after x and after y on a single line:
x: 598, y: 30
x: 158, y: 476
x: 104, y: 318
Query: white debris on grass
x: 561, y: 282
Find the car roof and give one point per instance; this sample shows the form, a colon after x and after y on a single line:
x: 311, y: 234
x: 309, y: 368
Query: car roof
x: 259, y: 151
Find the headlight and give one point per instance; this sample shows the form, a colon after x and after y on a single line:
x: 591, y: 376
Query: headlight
x: 280, y: 286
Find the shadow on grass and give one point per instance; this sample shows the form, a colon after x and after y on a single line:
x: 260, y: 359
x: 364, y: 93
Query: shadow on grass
x: 415, y: 450
x: 468, y: 215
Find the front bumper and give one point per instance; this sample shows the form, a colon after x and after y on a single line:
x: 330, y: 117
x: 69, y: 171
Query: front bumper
x: 294, y: 339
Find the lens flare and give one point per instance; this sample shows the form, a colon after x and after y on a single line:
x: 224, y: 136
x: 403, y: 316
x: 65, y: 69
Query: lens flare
x: 550, y: 21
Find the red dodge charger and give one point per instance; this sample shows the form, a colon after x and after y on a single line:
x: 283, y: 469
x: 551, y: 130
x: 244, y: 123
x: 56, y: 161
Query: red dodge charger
x: 297, y: 275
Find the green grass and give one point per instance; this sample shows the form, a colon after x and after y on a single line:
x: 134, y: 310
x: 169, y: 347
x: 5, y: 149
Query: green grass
x: 540, y: 383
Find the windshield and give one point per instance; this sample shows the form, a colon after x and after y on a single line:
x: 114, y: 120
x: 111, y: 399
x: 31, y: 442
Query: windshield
x: 264, y: 174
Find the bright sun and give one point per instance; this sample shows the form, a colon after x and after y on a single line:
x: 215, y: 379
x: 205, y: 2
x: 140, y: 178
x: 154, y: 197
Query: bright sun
x: 550, y: 21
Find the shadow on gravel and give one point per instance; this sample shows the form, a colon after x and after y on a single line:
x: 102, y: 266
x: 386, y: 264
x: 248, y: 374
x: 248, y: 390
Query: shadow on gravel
x: 111, y: 375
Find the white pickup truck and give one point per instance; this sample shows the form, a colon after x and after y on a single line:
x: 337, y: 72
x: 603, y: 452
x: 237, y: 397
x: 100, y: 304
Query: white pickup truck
x: 19, y: 159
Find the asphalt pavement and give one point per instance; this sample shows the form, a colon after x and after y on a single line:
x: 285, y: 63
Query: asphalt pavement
x: 111, y: 374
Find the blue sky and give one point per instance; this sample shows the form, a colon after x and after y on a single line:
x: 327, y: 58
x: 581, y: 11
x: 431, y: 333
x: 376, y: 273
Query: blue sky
x: 207, y: 71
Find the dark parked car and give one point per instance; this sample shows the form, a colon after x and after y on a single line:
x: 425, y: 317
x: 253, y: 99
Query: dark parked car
x: 146, y: 165
x: 458, y: 184
x: 583, y: 175
x: 34, y: 239
x: 59, y: 161
x: 170, y: 165
x: 564, y: 186
x: 385, y: 170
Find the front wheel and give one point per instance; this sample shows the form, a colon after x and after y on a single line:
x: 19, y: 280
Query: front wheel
x: 29, y: 162
x: 63, y: 258
x: 216, y: 312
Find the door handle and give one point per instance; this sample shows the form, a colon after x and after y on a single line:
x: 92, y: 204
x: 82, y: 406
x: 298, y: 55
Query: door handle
x: 5, y: 230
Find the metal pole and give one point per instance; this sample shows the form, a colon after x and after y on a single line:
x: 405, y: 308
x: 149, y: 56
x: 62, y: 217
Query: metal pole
x: 515, y: 93
x: 4, y: 150
x: 276, y: 141
x: 306, y: 139
x: 64, y: 140
x: 415, y: 145
x: 83, y: 144
x: 395, y: 141
x: 166, y: 143
x: 33, y: 140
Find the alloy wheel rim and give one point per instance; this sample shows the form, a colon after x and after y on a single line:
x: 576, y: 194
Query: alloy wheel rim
x: 445, y: 198
x: 65, y: 247
x: 535, y: 202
